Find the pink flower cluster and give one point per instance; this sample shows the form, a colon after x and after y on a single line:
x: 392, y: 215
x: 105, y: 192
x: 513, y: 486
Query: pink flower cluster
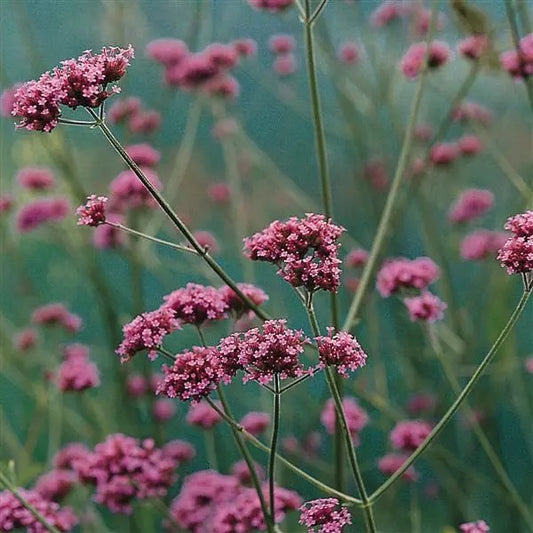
x: 472, y: 111
x: 38, y: 212
x: 519, y: 63
x: 479, y: 526
x: 56, y: 484
x: 128, y: 191
x: 13, y: 515
x: 84, y: 81
x: 93, y: 212
x: 57, y: 314
x: 241, y: 471
x: 304, y: 249
x: 471, y: 204
x: 36, y: 178
x: 442, y: 154
x: 201, y: 414
x: 391, y: 462
x: 349, y: 53
x: 412, y: 62
x: 283, y: 46
x: 340, y: 350
x: 387, y: 12
x: 400, y: 273
x: 143, y: 154
x: 146, y: 332
x: 357, y: 258
x: 265, y: 352
x: 426, y: 307
x: 273, y: 6
x: 219, y: 192
x: 516, y: 255
x: 139, y: 120
x: 408, y: 435
x: 481, y: 244
x: 255, y: 422
x: 26, y: 339
x: 123, y: 469
x: 473, y: 47
x: 326, y: 514
x: 77, y: 372
x: 236, y: 304
x: 209, y: 501
x: 356, y: 417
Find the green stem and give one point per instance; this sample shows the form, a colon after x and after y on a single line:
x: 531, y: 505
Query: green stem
x: 459, y: 400
x: 386, y: 217
x: 274, y: 443
x: 172, y: 215
x: 5, y: 481
x: 210, y: 448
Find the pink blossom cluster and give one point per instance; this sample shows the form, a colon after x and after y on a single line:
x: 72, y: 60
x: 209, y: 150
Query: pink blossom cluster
x: 412, y: 62
x: 201, y: 414
x: 519, y: 63
x: 92, y: 213
x: 408, y: 435
x: 209, y: 501
x: 283, y: 46
x: 163, y: 410
x: 392, y: 462
x: 85, y: 81
x: 65, y: 457
x: 241, y: 471
x: 13, y: 514
x: 255, y: 422
x: 516, y: 255
x: 401, y: 272
x: 421, y: 402
x: 357, y: 257
x: 207, y: 241
x: 469, y: 110
x: 479, y: 526
x: 41, y: 211
x: 6, y: 203
x: 471, y: 204
x: 387, y: 12
x: 304, y: 249
x: 128, y: 191
x: 124, y: 469
x: 473, y: 47
x: 340, y: 350
x: 77, y: 372
x: 326, y: 514
x: 444, y: 153
x: 273, y: 6
x: 57, y: 314
x: 207, y: 71
x: 356, y: 417
x: 426, y: 307
x: 36, y: 178
x: 265, y: 352
x: 235, y: 302
x: 349, y: 53
x: 219, y: 192
x: 139, y: 120
x: 375, y: 172
x: 146, y: 332
x: 481, y: 244
x: 56, y: 484
x: 179, y: 450
x: 144, y: 154
x: 25, y: 339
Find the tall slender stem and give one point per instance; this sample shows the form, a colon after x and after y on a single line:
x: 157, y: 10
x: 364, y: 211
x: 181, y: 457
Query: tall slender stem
x: 274, y: 443
x: 172, y: 215
x: 459, y: 400
x: 386, y: 217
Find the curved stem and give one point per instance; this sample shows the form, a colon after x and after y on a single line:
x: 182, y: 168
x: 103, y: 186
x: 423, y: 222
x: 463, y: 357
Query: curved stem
x: 459, y: 400
x: 274, y: 443
x: 172, y: 215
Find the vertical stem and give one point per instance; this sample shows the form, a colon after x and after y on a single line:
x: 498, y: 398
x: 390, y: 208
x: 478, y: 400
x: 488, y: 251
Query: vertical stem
x: 274, y: 444
x: 210, y: 448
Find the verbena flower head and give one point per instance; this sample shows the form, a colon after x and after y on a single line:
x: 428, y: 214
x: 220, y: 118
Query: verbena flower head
x: 143, y: 154
x: 356, y: 417
x: 219, y: 192
x: 471, y: 204
x: 340, y: 350
x: 207, y: 241
x: 179, y: 450
x: 273, y: 6
x: 409, y: 435
x: 426, y: 307
x: 38, y: 212
x: 516, y: 255
x: 387, y: 12
x: 56, y: 484
x: 469, y: 145
x: 93, y: 212
x: 245, y: 47
x: 146, y: 332
x: 282, y: 43
x: 241, y: 471
x: 163, y: 409
x: 14, y: 516
x: 304, y: 249
x: 392, y: 462
x: 57, y: 314
x: 473, y: 47
x: 66, y: 455
x: 266, y: 351
x: 203, y: 415
x: 285, y: 65
x: 36, y: 178
x: 255, y: 422
x: 442, y: 154
x: 412, y: 62
x: 349, y: 53
x: 234, y: 301
x: 167, y: 51
x: 325, y: 515
x: 479, y: 526
x: 406, y: 273
x: 194, y: 374
x: 77, y: 372
x: 356, y: 258
x: 84, y: 81
x: 519, y: 63
x: 195, y: 304
x: 123, y: 109
x: 481, y: 244
x: 136, y: 385
x: 26, y: 339
x: 144, y: 121
x: 124, y: 469
x: 469, y: 110
x: 127, y: 190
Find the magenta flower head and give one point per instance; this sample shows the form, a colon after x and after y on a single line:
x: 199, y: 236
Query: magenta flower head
x: 349, y: 53
x: 285, y: 65
x: 479, y: 526
x: 144, y: 121
x: 236, y: 304
x: 391, y: 462
x: 387, y: 12
x: 255, y: 422
x: 241, y: 471
x: 340, y: 350
x: 274, y: 6
x: 442, y: 154
x: 357, y: 258
x: 325, y: 515
x: 516, y: 255
x: 281, y: 43
x: 426, y: 307
x: 7, y: 98
x: 203, y: 415
x: 26, y: 339
x: 128, y: 192
x: 77, y: 373
x: 469, y: 145
x: 57, y: 314
x: 519, y: 63
x: 93, y: 212
x: 245, y: 47
x: 305, y: 251
x: 356, y: 417
x: 412, y: 62
x: 14, y: 516
x: 36, y: 178
x: 400, y: 273
x: 123, y: 109
x: 196, y: 304
x: 471, y: 204
x: 143, y: 154
x: 167, y: 51
x: 146, y: 332
x: 409, y: 435
x: 55, y: 485
x: 473, y: 47
x: 42, y: 211
x: 469, y: 110
x: 481, y: 244
x: 207, y: 241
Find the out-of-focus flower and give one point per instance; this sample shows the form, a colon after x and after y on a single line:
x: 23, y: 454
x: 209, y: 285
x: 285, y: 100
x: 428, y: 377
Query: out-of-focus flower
x: 479, y: 526
x: 472, y: 111
x: 471, y: 204
x: 36, y: 178
x: 128, y: 192
x: 519, y: 63
x: 285, y: 65
x: 241, y: 471
x: 356, y: 258
x: 356, y: 417
x: 123, y: 109
x: 38, y: 212
x: 55, y: 485
x: 282, y: 43
x: 219, y: 192
x: 245, y: 47
x: 57, y: 314
x: 163, y: 409
x: 255, y: 422
x: 409, y: 434
x: 136, y: 385
x: 426, y: 307
x: 473, y: 47
x: 167, y: 51
x: 442, y: 154
x: 208, y: 241
x: 274, y: 6
x: 25, y: 339
x: 144, y: 121
x: 7, y: 99
x: 481, y: 244
x: 143, y: 154
x: 203, y: 415
x: 406, y: 273
x: 412, y: 62
x: 236, y: 304
x: 77, y: 372
x: 392, y: 462
x: 107, y: 236
x: 349, y: 53
x: 469, y: 144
